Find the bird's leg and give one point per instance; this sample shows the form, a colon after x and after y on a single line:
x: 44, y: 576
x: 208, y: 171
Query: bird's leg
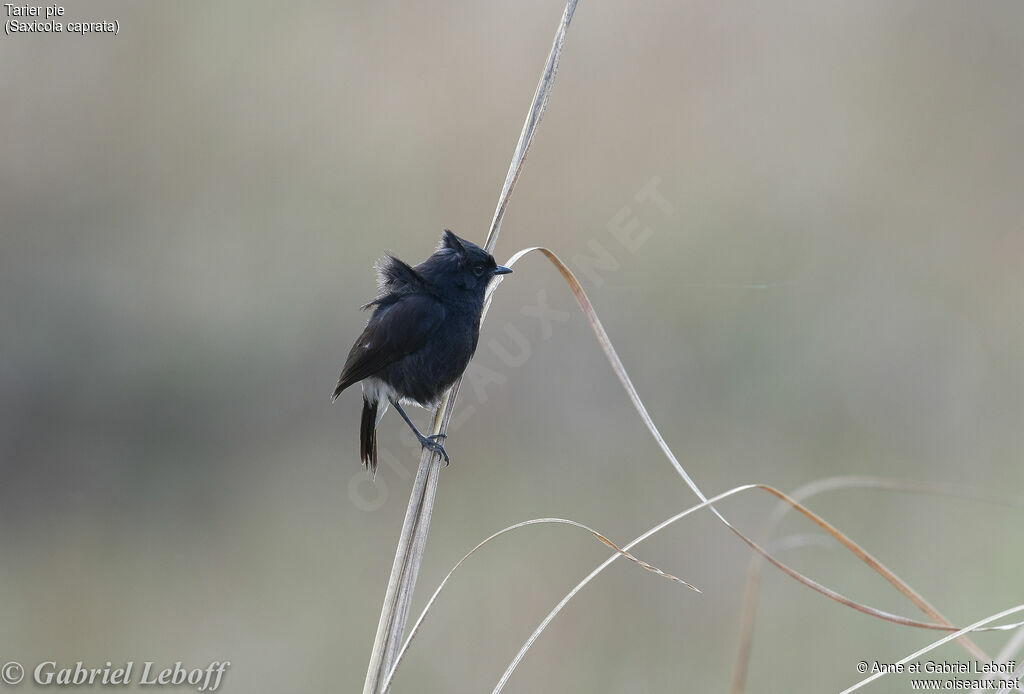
x: 425, y: 441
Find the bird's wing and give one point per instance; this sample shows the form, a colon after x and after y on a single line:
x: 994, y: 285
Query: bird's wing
x: 394, y: 330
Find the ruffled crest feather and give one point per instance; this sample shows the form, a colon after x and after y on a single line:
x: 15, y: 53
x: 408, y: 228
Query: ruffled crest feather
x: 394, y: 276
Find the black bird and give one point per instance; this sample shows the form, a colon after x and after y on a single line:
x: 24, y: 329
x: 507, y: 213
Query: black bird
x: 421, y: 336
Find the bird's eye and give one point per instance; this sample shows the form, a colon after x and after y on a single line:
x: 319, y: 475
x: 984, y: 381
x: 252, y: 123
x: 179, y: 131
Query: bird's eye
x: 478, y: 270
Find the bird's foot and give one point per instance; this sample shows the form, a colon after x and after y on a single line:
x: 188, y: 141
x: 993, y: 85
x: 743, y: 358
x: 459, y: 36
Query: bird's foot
x: 430, y: 442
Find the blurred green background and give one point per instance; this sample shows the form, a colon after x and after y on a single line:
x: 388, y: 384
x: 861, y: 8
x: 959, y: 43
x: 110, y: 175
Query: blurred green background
x: 190, y: 213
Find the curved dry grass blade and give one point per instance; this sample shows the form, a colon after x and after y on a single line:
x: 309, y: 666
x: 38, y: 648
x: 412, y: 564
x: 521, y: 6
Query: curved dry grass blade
x: 874, y: 563
x: 801, y: 494
x: 936, y: 644
x: 535, y: 521
x: 593, y: 574
x: 828, y: 592
x: 409, y: 552
x: 620, y: 372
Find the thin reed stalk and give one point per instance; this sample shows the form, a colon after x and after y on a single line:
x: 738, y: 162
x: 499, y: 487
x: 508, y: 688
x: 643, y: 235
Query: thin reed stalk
x: 413, y: 539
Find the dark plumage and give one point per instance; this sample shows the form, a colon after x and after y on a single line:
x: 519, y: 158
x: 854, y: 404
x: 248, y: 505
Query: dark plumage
x: 421, y: 336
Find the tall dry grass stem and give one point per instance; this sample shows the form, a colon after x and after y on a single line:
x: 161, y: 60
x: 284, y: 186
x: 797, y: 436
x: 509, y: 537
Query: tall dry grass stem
x: 413, y: 539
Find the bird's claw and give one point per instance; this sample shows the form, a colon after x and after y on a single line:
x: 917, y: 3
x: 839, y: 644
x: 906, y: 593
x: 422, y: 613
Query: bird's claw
x: 430, y: 443
x: 435, y: 437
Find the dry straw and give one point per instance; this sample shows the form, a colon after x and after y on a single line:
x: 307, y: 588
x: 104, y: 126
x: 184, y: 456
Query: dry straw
x: 409, y: 553
x: 389, y: 648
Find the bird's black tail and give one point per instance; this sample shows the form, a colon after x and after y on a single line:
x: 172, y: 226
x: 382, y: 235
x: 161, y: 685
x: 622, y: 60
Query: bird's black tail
x: 368, y: 436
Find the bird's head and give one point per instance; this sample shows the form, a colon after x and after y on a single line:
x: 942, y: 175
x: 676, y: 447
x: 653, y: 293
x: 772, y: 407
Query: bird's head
x: 460, y: 265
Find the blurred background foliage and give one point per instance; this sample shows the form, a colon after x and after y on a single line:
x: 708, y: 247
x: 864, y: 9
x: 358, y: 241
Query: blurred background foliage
x: 190, y: 212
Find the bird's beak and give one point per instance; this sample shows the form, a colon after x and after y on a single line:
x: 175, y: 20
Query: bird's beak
x: 501, y: 270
